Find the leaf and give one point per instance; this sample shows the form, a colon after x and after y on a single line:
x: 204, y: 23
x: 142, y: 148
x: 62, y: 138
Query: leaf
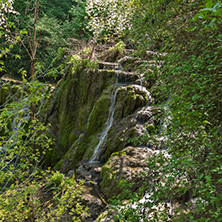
x: 201, y: 176
x: 209, y: 4
x: 219, y: 12
x: 17, y: 56
x: 209, y: 10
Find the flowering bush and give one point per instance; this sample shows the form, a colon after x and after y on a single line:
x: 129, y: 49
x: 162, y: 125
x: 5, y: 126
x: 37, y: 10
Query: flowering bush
x: 6, y: 8
x: 110, y: 17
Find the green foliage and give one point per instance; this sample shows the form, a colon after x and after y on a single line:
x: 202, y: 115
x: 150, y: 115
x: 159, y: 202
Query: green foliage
x: 56, y: 9
x: 120, y: 47
x: 211, y: 14
x: 77, y: 27
x: 27, y: 193
x: 109, y: 18
x: 154, y: 25
x: 192, y: 78
x: 58, y: 22
x: 36, y: 201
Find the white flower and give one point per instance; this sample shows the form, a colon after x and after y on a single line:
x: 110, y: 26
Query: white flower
x: 110, y: 15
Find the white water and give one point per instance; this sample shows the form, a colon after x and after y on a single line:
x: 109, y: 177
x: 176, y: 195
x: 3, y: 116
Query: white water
x: 109, y: 123
x: 20, y: 116
x: 163, y: 137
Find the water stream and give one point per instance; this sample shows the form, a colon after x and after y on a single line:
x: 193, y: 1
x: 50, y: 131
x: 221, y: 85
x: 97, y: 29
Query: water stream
x: 162, y: 151
x: 109, y: 123
x: 165, y: 122
x: 19, y: 118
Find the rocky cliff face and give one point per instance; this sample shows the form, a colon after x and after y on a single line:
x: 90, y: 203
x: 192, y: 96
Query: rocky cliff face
x: 94, y: 112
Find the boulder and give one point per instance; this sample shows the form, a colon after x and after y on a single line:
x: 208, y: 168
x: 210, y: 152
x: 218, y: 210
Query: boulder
x: 130, y: 164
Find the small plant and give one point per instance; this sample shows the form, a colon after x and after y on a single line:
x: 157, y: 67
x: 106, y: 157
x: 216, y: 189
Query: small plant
x: 120, y: 47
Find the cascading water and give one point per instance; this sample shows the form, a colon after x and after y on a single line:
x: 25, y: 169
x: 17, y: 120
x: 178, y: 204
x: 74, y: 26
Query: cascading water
x: 17, y: 124
x: 148, y: 197
x: 163, y: 138
x: 109, y: 123
x: 20, y: 118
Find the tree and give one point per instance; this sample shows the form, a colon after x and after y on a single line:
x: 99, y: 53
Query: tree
x: 13, y: 38
x: 109, y: 18
x: 51, y: 34
x: 32, y: 42
x: 6, y: 7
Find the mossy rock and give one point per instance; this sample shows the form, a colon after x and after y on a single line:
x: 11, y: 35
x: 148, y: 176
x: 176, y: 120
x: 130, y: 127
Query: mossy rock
x: 127, y: 165
x: 128, y: 101
x: 109, y: 177
x: 59, y: 165
x: 4, y: 92
x: 72, y: 101
x: 99, y: 114
x: 114, y: 53
x: 52, y: 157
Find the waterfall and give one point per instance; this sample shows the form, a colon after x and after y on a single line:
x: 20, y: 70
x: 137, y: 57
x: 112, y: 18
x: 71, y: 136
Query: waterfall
x: 163, y: 137
x: 20, y: 116
x: 109, y: 123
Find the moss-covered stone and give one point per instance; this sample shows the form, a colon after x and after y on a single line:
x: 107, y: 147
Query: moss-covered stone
x: 79, y: 105
x: 59, y: 165
x: 114, y: 53
x: 99, y: 113
x: 79, y: 108
x: 129, y: 164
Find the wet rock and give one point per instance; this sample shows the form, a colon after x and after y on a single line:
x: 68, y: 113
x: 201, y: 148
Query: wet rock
x: 92, y: 196
x: 108, y: 65
x: 144, y: 114
x: 128, y: 164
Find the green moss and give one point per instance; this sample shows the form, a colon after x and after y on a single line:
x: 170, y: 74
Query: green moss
x: 110, y: 182
x: 64, y: 136
x: 99, y: 114
x: 77, y: 150
x: 93, y: 141
x: 102, y: 216
x: 107, y: 78
x: 59, y: 165
x: 107, y: 175
x: 51, y: 157
x: 151, y: 129
x: 129, y: 88
x: 72, y: 137
x: 120, y: 153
